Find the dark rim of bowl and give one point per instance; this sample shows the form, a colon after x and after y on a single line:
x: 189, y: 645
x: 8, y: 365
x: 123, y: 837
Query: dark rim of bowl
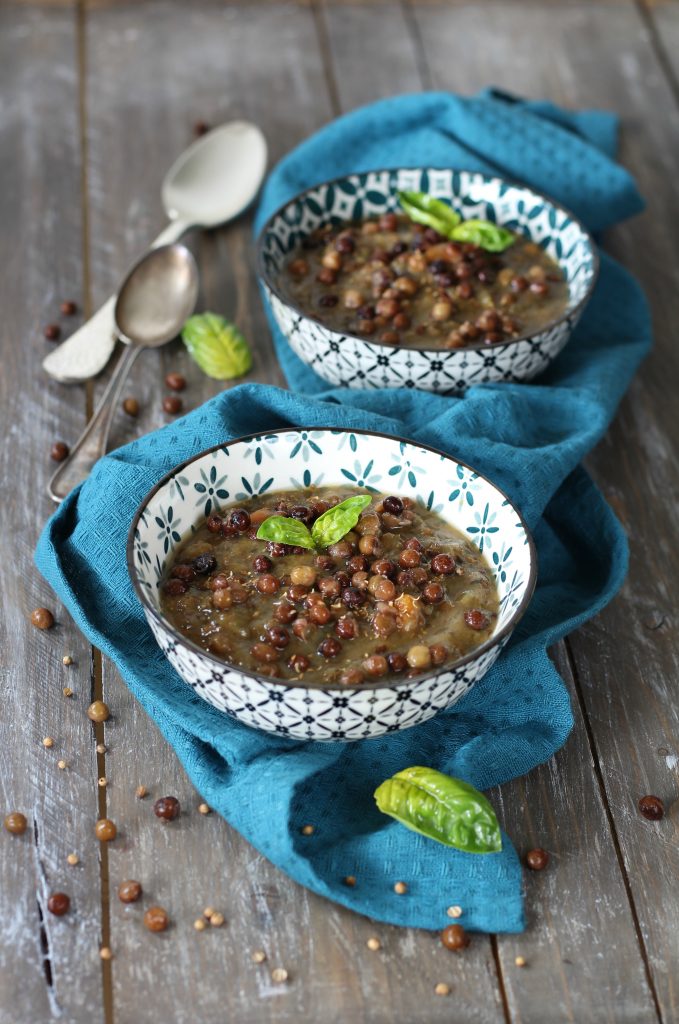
x: 312, y: 685
x: 573, y: 313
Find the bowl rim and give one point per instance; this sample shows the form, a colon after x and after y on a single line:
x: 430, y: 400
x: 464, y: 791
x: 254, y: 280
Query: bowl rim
x: 433, y: 353
x: 292, y: 684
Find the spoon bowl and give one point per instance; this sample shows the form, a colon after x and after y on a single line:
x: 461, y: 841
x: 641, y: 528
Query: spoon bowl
x: 157, y: 297
x: 217, y: 177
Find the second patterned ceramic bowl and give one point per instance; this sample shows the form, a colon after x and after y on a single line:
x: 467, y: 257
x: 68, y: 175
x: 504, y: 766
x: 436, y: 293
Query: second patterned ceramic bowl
x: 355, y: 362
x: 287, y: 459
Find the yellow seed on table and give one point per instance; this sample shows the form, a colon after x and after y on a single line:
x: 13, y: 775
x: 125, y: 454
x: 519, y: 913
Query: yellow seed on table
x: 61, y: 764
x: 258, y: 956
x: 73, y: 859
x: 103, y: 782
x: 454, y: 911
x: 208, y: 912
x: 140, y: 792
x: 350, y: 881
x: 105, y: 953
x: 204, y: 809
x: 98, y: 711
x: 67, y: 691
x: 400, y: 888
x: 520, y: 961
x: 216, y: 919
x: 279, y: 975
x: 442, y: 989
x: 67, y: 660
x: 101, y: 748
x: 307, y: 830
x: 48, y: 741
x: 199, y: 924
x: 374, y: 943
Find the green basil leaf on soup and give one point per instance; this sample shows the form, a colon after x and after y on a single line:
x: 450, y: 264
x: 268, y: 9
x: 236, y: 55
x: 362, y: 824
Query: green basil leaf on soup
x: 338, y: 521
x: 491, y: 237
x: 217, y: 346
x: 283, y: 530
x: 442, y: 808
x: 434, y: 213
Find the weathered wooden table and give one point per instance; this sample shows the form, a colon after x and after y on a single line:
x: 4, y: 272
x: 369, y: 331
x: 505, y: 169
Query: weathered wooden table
x: 95, y: 102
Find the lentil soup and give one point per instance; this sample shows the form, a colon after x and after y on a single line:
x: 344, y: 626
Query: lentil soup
x: 401, y: 592
x: 390, y: 280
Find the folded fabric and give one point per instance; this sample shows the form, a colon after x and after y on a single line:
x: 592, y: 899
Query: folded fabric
x: 528, y: 438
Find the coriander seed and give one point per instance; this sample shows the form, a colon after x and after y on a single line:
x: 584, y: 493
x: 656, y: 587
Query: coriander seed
x: 258, y: 956
x: 520, y: 961
x: 48, y: 742
x: 374, y: 943
x: 199, y: 924
x: 350, y: 880
x: 73, y: 859
x: 67, y: 660
x: 279, y: 975
x: 204, y: 809
x: 208, y: 912
x: 61, y: 765
x: 217, y: 919
x: 103, y: 781
x: 105, y: 953
x: 140, y: 792
x: 101, y: 748
x: 442, y: 989
x: 67, y: 691
x: 400, y: 888
x: 307, y: 830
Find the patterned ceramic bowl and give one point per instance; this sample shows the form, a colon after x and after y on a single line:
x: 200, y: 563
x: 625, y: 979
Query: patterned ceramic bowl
x: 357, y: 363
x: 286, y: 459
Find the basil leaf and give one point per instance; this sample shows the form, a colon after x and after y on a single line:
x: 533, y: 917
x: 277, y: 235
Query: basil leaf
x: 283, y: 530
x: 489, y: 236
x: 336, y: 522
x: 424, y: 209
x: 217, y: 346
x: 442, y: 808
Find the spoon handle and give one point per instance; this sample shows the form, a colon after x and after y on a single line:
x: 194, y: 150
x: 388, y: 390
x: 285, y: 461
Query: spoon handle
x: 87, y: 351
x: 91, y: 444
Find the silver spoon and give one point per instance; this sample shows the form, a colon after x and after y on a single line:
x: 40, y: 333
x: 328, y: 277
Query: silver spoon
x: 155, y: 299
x: 213, y: 181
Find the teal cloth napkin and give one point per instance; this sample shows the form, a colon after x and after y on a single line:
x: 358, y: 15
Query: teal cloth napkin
x: 528, y: 438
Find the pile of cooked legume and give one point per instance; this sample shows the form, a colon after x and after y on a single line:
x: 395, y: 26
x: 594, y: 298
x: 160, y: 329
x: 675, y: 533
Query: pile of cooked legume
x: 401, y: 593
x: 393, y: 281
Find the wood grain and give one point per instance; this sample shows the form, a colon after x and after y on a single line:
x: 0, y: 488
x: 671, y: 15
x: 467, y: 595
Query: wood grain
x: 625, y: 660
x: 49, y: 965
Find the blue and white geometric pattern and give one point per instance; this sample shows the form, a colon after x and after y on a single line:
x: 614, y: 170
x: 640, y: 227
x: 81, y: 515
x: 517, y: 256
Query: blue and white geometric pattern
x: 278, y: 461
x: 357, y: 363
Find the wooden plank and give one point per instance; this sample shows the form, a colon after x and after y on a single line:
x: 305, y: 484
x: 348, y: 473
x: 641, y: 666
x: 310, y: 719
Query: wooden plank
x: 624, y: 660
x: 50, y: 965
x: 580, y: 946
